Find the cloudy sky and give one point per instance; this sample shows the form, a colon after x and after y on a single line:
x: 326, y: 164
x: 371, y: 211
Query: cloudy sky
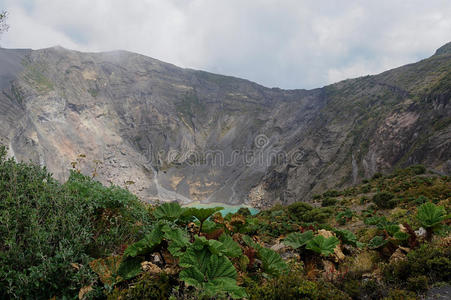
x: 283, y: 43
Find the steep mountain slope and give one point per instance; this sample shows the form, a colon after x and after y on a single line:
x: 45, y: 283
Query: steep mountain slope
x: 185, y: 134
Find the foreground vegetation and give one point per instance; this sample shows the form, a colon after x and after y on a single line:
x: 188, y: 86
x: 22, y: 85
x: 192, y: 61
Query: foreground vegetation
x: 387, y: 238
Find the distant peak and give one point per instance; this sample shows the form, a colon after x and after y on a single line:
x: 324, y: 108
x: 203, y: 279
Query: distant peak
x: 445, y: 49
x: 57, y: 48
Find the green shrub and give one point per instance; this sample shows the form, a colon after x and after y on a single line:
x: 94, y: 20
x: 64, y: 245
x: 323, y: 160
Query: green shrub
x: 372, y: 289
x: 47, y: 228
x: 418, y: 169
x: 244, y: 211
x: 297, y: 209
x: 418, y: 283
x: 147, y: 286
x: 382, y: 200
x: 377, y: 175
x: 352, y: 288
x: 329, y: 202
x: 316, y: 197
x: 401, y: 295
x: 430, y: 215
x: 343, y: 216
x: 319, y: 215
x: 365, y: 188
x: 433, y: 262
x: 420, y: 200
x: 292, y: 285
x: 332, y: 193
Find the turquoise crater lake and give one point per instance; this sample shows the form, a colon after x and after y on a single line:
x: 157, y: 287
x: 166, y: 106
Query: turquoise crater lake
x: 227, y: 208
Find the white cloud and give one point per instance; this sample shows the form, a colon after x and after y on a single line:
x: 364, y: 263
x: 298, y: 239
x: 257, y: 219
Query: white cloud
x: 290, y: 43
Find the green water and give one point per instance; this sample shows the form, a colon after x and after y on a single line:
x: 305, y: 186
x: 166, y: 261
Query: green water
x: 227, y: 208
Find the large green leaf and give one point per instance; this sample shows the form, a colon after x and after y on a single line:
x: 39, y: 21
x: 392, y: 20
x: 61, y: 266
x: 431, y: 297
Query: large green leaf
x: 377, y: 242
x: 147, y: 244
x: 215, y: 247
x: 211, y: 273
x: 392, y: 229
x: 247, y: 239
x: 203, y: 213
x: 231, y: 248
x: 380, y: 222
x: 273, y: 264
x: 430, y: 215
x: 129, y: 268
x: 168, y: 211
x: 322, y: 245
x: 297, y: 239
x: 401, y: 236
x: 131, y: 260
x: 348, y: 237
x: 178, y: 239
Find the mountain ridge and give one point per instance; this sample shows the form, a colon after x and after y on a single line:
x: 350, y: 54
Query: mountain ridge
x: 132, y: 113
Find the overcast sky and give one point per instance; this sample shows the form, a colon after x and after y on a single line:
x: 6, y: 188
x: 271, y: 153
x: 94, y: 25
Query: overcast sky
x: 284, y: 43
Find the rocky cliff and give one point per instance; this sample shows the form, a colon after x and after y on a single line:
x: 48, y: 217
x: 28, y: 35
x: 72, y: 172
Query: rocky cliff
x: 181, y: 134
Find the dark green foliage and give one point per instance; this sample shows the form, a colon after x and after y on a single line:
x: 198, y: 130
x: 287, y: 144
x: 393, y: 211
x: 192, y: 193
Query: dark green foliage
x: 168, y: 211
x: 318, y: 215
x: 46, y: 226
x: 55, y: 236
x: 297, y: 240
x: 329, y: 202
x: 420, y: 200
x: 322, y: 245
x: 372, y: 289
x: 382, y: 200
x: 298, y: 209
x: 377, y: 175
x: 293, y: 285
x: 332, y: 193
x: 365, y: 188
x: 430, y: 261
x: 418, y: 169
x: 430, y: 215
x: 348, y: 237
x: 208, y: 270
x: 244, y: 211
x: 273, y: 264
x: 316, y: 197
x: 202, y: 214
x: 418, y: 283
x: 145, y: 287
x: 344, y: 216
x: 377, y: 242
x: 232, y: 249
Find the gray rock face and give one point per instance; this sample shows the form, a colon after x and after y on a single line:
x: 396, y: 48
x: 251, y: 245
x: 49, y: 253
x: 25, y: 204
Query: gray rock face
x: 182, y: 134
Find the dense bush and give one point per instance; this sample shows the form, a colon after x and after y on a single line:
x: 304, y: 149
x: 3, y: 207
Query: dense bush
x: 329, y: 202
x: 418, y: 169
x: 384, y: 200
x: 423, y: 266
x: 146, y: 286
x: 293, y: 285
x: 49, y: 232
x: 304, y: 212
